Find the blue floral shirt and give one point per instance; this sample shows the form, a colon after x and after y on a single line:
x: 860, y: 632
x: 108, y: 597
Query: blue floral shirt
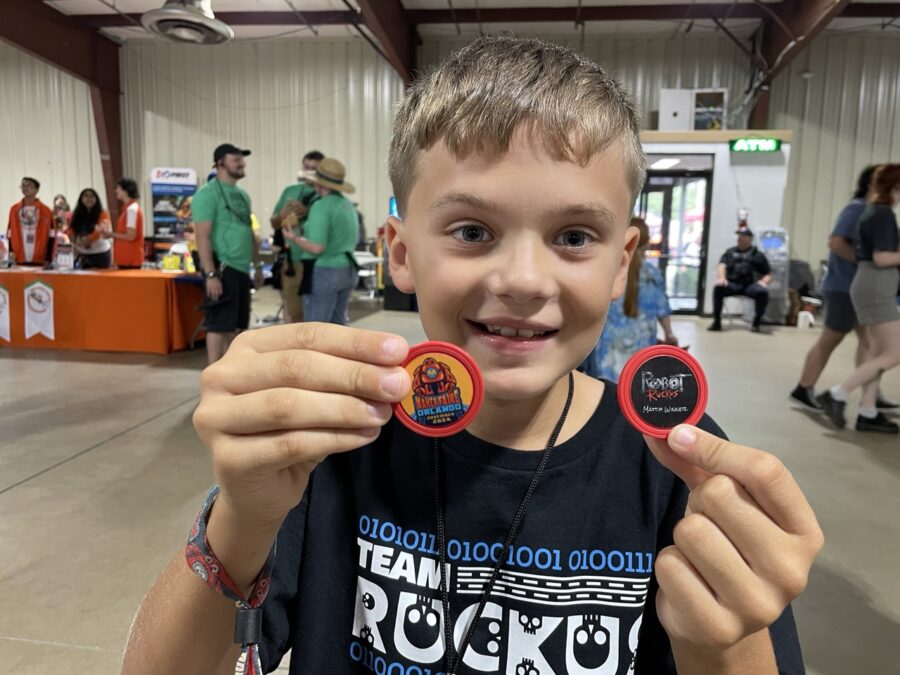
x: 623, y: 336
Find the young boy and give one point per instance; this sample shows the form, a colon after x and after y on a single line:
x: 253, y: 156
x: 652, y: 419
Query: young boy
x: 515, y: 166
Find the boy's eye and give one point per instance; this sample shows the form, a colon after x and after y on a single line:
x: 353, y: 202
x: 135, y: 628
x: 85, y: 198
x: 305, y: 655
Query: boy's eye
x: 573, y: 239
x: 472, y: 234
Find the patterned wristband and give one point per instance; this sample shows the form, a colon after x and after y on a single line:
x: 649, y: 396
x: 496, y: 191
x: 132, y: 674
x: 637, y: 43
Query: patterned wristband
x: 203, y: 562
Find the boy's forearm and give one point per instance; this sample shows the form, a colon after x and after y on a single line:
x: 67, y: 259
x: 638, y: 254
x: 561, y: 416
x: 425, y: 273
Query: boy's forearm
x: 182, y: 626
x: 753, y: 654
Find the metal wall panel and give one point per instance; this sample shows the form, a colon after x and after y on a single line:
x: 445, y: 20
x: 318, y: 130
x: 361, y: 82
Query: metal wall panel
x: 845, y: 114
x: 646, y: 65
x: 844, y: 117
x: 279, y: 99
x: 46, y: 131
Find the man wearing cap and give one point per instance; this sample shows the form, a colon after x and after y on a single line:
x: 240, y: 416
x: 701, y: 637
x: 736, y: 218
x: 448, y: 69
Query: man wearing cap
x: 295, y: 199
x: 331, y: 231
x: 742, y: 270
x: 226, y: 245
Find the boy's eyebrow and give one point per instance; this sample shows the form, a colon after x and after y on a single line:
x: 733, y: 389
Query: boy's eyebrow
x: 464, y: 199
x: 593, y: 209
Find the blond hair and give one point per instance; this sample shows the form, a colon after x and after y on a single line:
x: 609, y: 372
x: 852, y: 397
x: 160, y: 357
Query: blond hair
x: 481, y: 95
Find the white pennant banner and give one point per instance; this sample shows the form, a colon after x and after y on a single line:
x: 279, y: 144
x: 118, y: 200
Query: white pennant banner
x: 4, y: 314
x: 39, y: 310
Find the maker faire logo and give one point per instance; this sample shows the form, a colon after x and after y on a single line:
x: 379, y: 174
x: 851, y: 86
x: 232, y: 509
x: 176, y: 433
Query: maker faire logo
x: 436, y: 396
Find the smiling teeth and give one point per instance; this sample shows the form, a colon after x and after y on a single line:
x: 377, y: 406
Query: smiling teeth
x: 506, y: 331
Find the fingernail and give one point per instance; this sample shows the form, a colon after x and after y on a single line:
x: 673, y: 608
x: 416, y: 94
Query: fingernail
x: 392, y: 384
x: 393, y: 347
x: 684, y: 437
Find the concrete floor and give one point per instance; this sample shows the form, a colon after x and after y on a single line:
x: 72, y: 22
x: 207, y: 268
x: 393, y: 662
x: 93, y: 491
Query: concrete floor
x: 101, y: 475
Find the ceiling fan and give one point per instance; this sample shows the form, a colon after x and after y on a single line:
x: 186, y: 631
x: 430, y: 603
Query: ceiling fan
x: 187, y: 21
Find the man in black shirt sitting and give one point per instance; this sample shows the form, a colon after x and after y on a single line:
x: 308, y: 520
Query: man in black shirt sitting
x: 742, y: 270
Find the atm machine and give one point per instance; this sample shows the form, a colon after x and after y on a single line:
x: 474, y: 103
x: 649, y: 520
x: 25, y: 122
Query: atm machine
x: 774, y: 243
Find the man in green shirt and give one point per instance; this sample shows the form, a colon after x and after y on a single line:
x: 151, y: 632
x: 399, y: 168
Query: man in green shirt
x: 295, y: 199
x: 225, y: 242
x: 331, y: 231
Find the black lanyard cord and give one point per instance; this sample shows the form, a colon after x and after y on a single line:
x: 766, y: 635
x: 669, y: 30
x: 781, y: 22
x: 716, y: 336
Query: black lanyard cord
x: 452, y: 663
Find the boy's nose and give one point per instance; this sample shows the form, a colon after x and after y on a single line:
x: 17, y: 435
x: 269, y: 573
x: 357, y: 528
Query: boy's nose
x: 522, y: 273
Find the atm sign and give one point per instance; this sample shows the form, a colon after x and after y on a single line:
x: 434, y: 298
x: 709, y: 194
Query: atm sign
x: 755, y: 145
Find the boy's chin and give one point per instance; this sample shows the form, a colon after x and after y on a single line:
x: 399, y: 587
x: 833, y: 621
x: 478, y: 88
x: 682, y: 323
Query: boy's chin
x: 525, y: 385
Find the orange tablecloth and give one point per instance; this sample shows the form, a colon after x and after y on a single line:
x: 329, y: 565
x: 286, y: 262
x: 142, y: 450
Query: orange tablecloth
x: 112, y: 311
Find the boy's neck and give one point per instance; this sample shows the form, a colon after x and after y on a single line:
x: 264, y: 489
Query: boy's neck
x: 527, y: 425
x: 30, y: 200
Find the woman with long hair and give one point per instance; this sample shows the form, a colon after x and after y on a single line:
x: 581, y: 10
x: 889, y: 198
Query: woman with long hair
x: 89, y: 222
x: 631, y: 321
x: 874, y: 294
x: 129, y: 232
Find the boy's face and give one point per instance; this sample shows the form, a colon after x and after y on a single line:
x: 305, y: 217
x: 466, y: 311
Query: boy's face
x: 28, y: 188
x: 515, y: 258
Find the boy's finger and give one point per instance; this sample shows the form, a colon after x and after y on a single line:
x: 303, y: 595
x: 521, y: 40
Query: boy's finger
x: 690, y: 473
x: 760, y: 541
x: 717, y: 561
x: 282, y: 449
x: 763, y: 475
x: 284, y: 409
x: 384, y: 349
x: 304, y: 369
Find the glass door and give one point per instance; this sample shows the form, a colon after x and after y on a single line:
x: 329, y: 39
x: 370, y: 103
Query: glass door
x: 675, y: 206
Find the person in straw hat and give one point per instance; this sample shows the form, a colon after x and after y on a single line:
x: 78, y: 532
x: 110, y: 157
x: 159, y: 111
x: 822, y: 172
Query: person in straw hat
x: 331, y: 230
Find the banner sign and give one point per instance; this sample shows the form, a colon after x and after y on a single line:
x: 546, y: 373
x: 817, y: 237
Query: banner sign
x: 171, y: 190
x: 4, y: 314
x: 39, y: 310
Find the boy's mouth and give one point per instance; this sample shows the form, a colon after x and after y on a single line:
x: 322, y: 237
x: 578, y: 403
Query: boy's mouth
x: 521, y: 332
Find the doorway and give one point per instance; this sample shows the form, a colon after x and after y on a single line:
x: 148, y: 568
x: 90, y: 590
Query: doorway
x: 675, y: 203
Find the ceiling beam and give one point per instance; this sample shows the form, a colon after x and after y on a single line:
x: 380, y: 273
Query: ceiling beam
x: 871, y: 10
x: 231, y: 18
x: 492, y: 15
x: 59, y: 40
x: 791, y: 27
x: 64, y: 43
x: 389, y: 22
x: 569, y: 14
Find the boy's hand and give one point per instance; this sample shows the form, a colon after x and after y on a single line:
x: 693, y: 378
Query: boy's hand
x: 744, y: 548
x: 283, y: 398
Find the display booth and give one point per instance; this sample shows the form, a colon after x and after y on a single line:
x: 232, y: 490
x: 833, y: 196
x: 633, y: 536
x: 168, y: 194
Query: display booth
x: 144, y: 311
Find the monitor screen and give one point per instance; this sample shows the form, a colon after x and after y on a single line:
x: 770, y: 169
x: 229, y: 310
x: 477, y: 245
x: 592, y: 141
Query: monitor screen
x: 772, y: 241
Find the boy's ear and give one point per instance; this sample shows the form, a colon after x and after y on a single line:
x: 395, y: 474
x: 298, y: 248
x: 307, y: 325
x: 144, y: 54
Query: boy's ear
x: 631, y: 242
x: 401, y: 273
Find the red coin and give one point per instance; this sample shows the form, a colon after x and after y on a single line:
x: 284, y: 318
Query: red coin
x: 447, y: 390
x: 660, y: 388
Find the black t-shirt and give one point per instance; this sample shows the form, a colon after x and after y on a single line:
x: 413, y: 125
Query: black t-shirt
x: 877, y: 231
x: 355, y: 587
x: 744, y: 267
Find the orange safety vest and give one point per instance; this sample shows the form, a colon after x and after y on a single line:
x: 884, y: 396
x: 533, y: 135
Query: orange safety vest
x: 130, y: 253
x: 41, y: 234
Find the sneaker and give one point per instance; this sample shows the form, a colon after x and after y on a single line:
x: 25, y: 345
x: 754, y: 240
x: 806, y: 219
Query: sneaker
x: 879, y: 423
x: 833, y: 408
x: 754, y: 328
x: 884, y: 403
x: 715, y: 327
x: 806, y: 397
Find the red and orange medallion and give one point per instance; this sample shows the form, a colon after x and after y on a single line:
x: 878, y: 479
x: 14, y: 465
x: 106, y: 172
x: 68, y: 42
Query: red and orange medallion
x: 447, y: 390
